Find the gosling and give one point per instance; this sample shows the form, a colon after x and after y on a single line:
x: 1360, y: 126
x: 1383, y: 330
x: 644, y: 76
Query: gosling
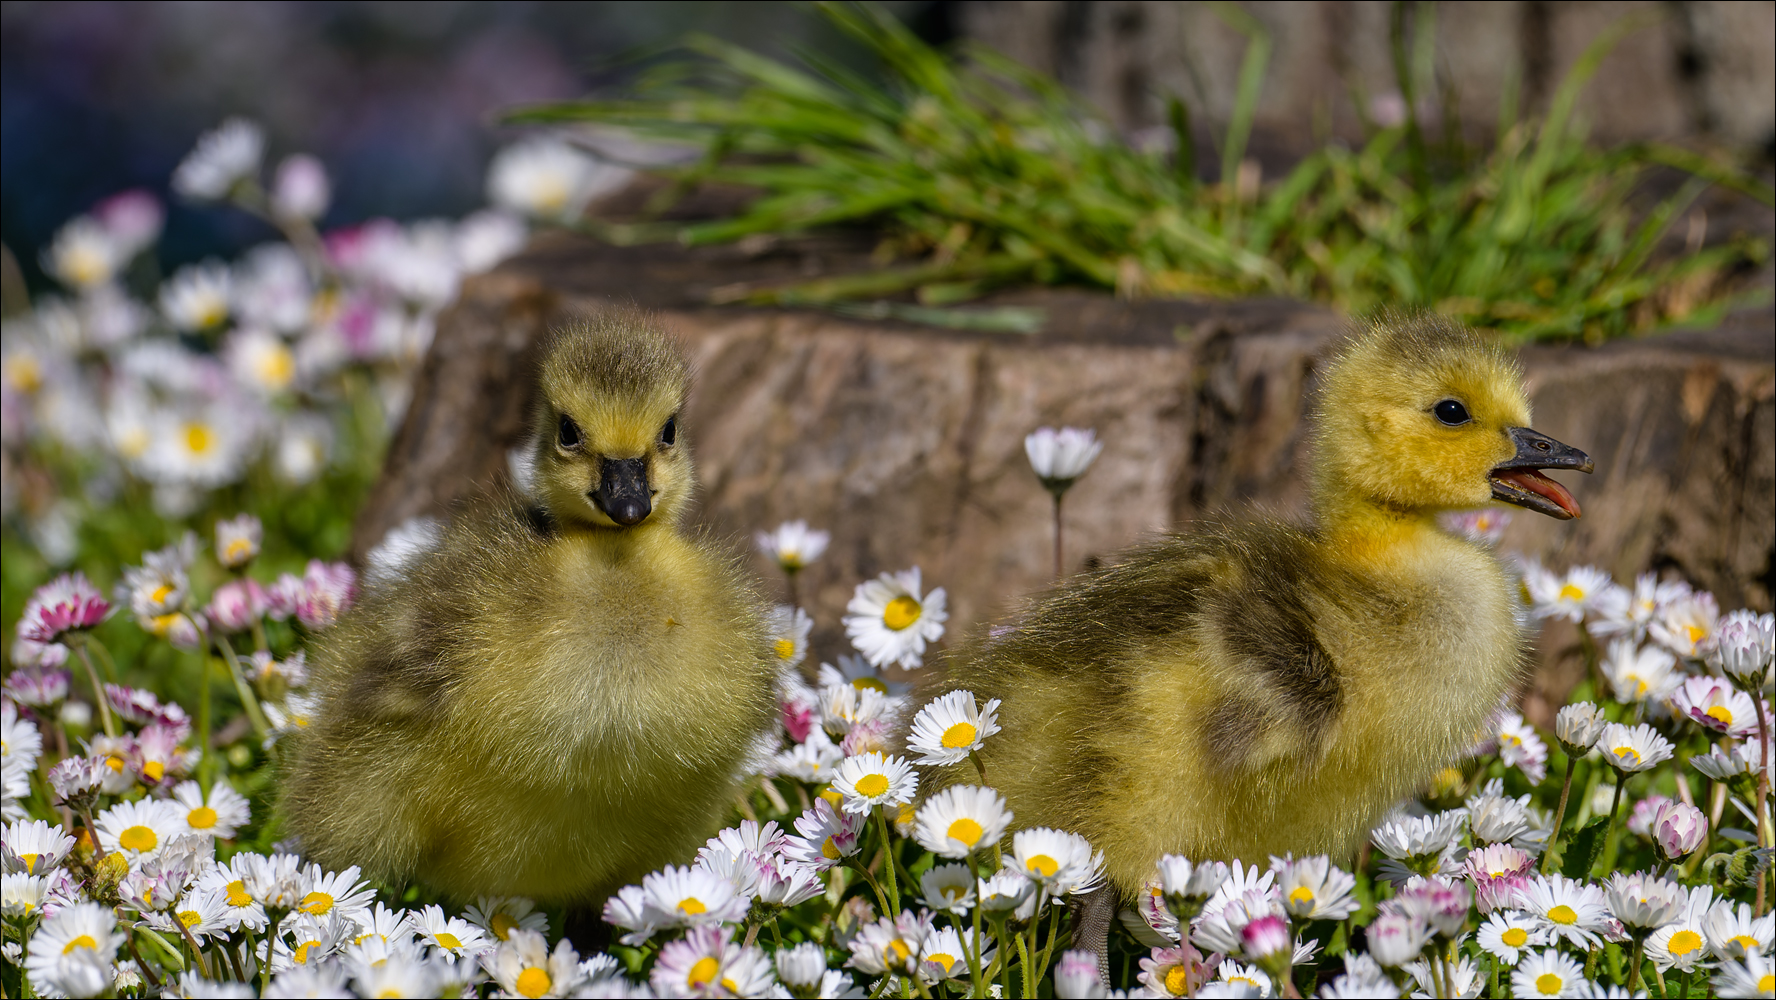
x: 1257, y: 687
x: 559, y: 696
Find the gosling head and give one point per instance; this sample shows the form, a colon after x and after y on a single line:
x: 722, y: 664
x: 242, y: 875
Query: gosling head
x: 1420, y: 414
x: 609, y: 453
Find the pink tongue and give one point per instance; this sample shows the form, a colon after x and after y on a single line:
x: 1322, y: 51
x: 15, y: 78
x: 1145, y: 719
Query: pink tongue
x: 1535, y: 482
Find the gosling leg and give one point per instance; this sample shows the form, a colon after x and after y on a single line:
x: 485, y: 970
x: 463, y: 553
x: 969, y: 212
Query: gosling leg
x: 1092, y: 930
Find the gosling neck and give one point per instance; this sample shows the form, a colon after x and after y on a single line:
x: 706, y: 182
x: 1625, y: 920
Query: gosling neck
x: 1366, y: 533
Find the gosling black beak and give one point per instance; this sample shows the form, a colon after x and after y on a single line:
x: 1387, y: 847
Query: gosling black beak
x: 622, y: 491
x: 1516, y: 481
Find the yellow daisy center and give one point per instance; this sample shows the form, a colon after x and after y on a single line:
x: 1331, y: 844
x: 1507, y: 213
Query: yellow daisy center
x: 237, y: 893
x: 1722, y: 714
x: 943, y: 960
x: 138, y: 838
x: 211, y: 312
x: 1511, y: 739
x: 1043, y: 865
x: 785, y: 649
x: 1569, y: 592
x: 704, y: 973
x: 1548, y: 984
x: 159, y: 594
x: 790, y: 561
x: 30, y: 861
x: 1563, y: 914
x: 1175, y: 980
x: 190, y: 918
x: 448, y: 940
x: 692, y: 906
x: 237, y: 550
x: 25, y: 374
x: 550, y: 196
x: 829, y: 850
x: 276, y: 367
x: 83, y: 941
x: 201, y: 818
x: 870, y: 684
x: 503, y: 924
x: 534, y: 982
x: 901, y: 612
x: 1767, y: 985
x: 199, y: 438
x: 1627, y: 755
x: 301, y: 952
x: 872, y: 785
x: 1247, y: 980
x: 959, y: 735
x: 1695, y: 632
x: 1745, y: 941
x: 1684, y: 942
x: 316, y: 903
x: 966, y: 831
x: 153, y: 770
x: 1301, y: 896
x: 832, y: 797
x: 1515, y: 937
x: 1640, y: 686
x: 895, y: 951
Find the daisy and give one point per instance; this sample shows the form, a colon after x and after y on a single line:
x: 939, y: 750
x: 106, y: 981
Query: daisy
x: 1060, y: 457
x: 960, y: 820
x: 1677, y: 829
x: 487, y: 237
x: 1495, y: 819
x: 690, y: 897
x: 1733, y: 933
x: 384, y: 924
x: 260, y: 361
x: 1754, y: 976
x: 860, y: 674
x: 1314, y: 889
x: 1172, y: 972
x: 223, y: 158
x: 321, y: 892
x: 1187, y: 887
x: 85, y: 928
x: 1715, y: 704
x: 951, y: 727
x: 709, y: 963
x: 1498, y: 871
x: 825, y: 836
x: 628, y: 909
x: 545, y: 178
x: 524, y: 966
x: 203, y: 445
x: 1076, y: 975
x: 948, y: 889
x: 311, y: 981
x: 275, y: 882
x: 401, y: 974
x: 1058, y: 861
x: 300, y: 191
x: 1640, y: 673
x: 870, y: 780
x: 1547, y: 974
x: 223, y: 813
x: 803, y: 970
x: 844, y: 707
x: 1520, y: 747
x: 1566, y: 909
x: 812, y: 761
x: 229, y: 883
x: 68, y: 603
x: 887, y: 946
x: 203, y: 913
x: 140, y: 829
x: 197, y: 296
x: 1740, y: 765
x: 1681, y: 944
x: 1568, y: 596
x: 21, y: 895
x: 1250, y: 976
x: 1485, y: 526
x: 1008, y: 890
x: 1419, y: 845
x: 1686, y: 624
x: 84, y: 254
x: 783, y: 883
x: 160, y: 584
x: 1619, y: 611
x: 793, y: 545
x: 789, y: 627
x: 34, y: 846
x: 889, y: 622
x: 1507, y: 934
x: 1577, y: 727
x: 1633, y: 750
x: 944, y: 955
x: 454, y: 935
x: 1643, y: 903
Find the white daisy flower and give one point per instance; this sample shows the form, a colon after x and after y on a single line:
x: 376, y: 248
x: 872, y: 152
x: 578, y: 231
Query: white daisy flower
x: 545, y: 178
x: 782, y: 882
x: 793, y: 545
x: 400, y: 974
x: 1060, y: 457
x: 812, y: 761
x: 1465, y: 979
x: 198, y: 296
x: 1754, y: 976
x: 300, y: 190
x: 844, y: 707
x: 1313, y: 888
x: 943, y: 955
x: 678, y: 897
x: 628, y: 909
x: 454, y: 935
x: 524, y: 966
x: 1640, y: 673
x: 205, y: 913
x: 223, y: 158
x: 1008, y: 890
x: 34, y: 846
x: 204, y: 446
x: 1681, y: 943
x: 860, y: 674
x: 1733, y: 932
x: 1577, y: 727
x: 1493, y: 818
x: 1633, y: 750
x: 1249, y: 976
x: 870, y: 780
x: 825, y: 836
x: 1744, y: 761
x: 1566, y: 909
x: 789, y: 628
x: 1715, y: 704
x: 140, y: 829
x: 707, y: 962
x: 961, y: 819
x: 487, y: 237
x: 221, y: 815
x: 1547, y: 974
x: 890, y: 946
x: 1686, y: 624
x: 238, y: 539
x: 803, y: 970
x: 1643, y: 902
x: 1568, y: 596
x: 948, y: 889
x: 86, y: 932
x: 1419, y: 845
x: 21, y: 895
x: 312, y: 982
x: 84, y: 254
x: 889, y: 622
x: 322, y: 892
x: 260, y: 361
x: 1507, y: 934
x: 229, y: 883
x: 951, y: 727
x: 1059, y: 861
x: 1191, y: 885
x: 1520, y: 747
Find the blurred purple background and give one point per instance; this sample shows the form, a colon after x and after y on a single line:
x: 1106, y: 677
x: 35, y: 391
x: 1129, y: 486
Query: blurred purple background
x: 400, y: 100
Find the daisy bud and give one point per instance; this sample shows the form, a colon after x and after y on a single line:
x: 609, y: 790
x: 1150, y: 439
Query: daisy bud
x: 1742, y: 648
x: 1061, y: 457
x: 1395, y: 938
x: 1678, y: 829
x: 68, y: 603
x: 328, y: 589
x: 1187, y: 887
x: 300, y: 190
x: 1578, y: 726
x: 1265, y: 938
x: 1076, y: 975
x: 39, y: 684
x: 1498, y: 871
x: 236, y: 605
x: 283, y: 597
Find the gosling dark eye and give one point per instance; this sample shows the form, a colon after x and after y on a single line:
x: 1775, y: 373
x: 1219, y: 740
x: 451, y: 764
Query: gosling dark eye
x: 570, y: 433
x: 669, y: 433
x: 1451, y: 412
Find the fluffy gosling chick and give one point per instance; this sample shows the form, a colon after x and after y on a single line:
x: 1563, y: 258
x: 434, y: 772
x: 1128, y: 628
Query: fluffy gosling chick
x: 1252, y: 688
x: 559, y: 696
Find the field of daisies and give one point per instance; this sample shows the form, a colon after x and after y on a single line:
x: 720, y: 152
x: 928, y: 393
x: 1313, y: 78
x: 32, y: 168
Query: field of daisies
x: 183, y: 456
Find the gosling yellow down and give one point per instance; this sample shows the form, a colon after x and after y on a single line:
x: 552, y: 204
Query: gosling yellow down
x: 1254, y: 687
x: 559, y: 696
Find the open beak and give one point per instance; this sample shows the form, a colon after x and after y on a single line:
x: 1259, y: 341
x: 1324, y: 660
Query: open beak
x: 622, y: 491
x: 1516, y: 481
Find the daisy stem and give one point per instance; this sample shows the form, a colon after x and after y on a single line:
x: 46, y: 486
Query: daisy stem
x: 1609, y: 837
x: 1057, y: 516
x: 888, y: 856
x: 1566, y: 788
x: 147, y: 970
x: 106, y: 663
x: 1494, y: 991
x: 979, y: 768
x: 1634, y: 963
x: 234, y: 961
x: 197, y: 954
x: 974, y: 954
x: 248, y: 701
x: 1591, y: 964
x: 1658, y: 977
x: 1024, y: 964
x: 1763, y: 793
x: 207, y: 763
x: 1054, y: 929
x: 260, y: 642
x: 881, y: 899
x: 99, y: 698
x: 790, y: 575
